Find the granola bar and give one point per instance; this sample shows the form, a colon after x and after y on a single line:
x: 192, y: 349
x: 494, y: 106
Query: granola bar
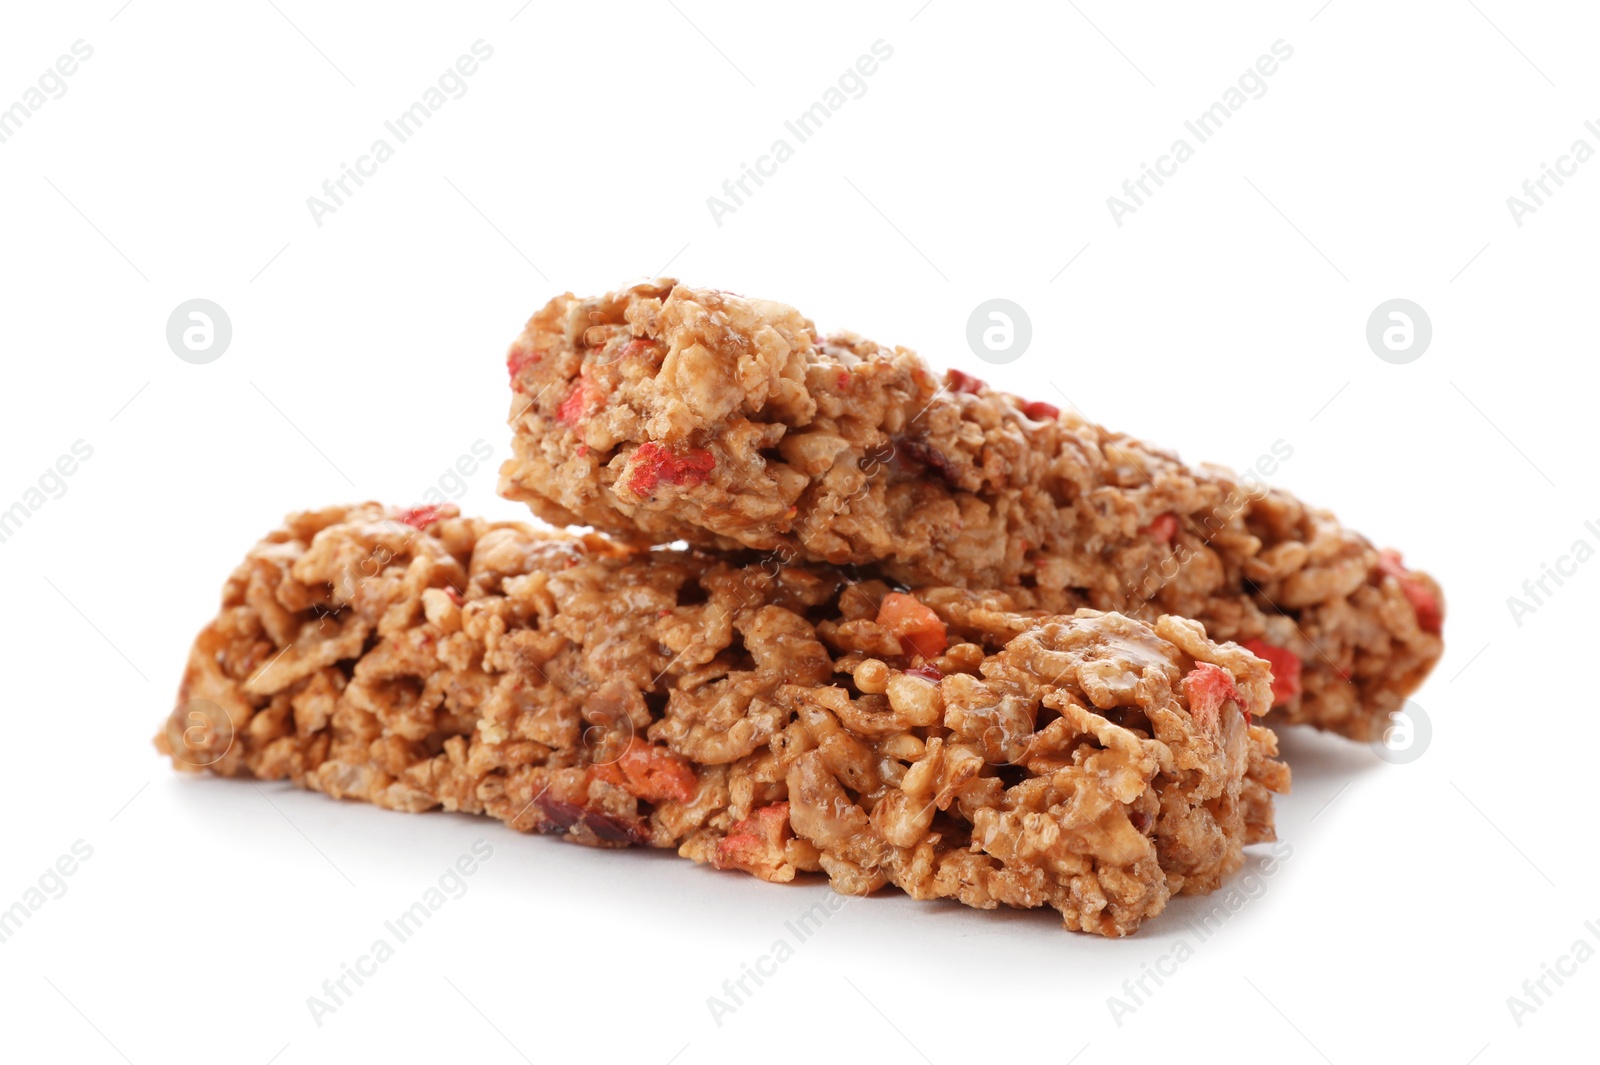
x: 664, y: 413
x: 772, y: 719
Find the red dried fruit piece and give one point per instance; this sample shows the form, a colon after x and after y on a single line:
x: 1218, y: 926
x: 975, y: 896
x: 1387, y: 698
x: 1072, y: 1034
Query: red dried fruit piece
x: 576, y: 405
x: 756, y: 844
x: 455, y: 596
x: 637, y: 346
x: 651, y: 773
x: 420, y: 517
x: 1040, y: 411
x: 1429, y: 617
x: 1208, y: 687
x: 843, y: 379
x: 1285, y: 669
x: 921, y: 631
x: 926, y: 673
x: 1162, y: 528
x: 517, y: 361
x: 653, y: 464
x: 961, y: 382
x: 609, y: 772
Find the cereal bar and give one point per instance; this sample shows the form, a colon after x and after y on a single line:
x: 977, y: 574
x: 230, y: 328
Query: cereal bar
x: 773, y: 719
x: 664, y: 413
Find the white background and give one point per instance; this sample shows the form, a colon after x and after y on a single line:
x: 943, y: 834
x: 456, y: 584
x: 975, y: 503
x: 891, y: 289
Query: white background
x: 1225, y: 314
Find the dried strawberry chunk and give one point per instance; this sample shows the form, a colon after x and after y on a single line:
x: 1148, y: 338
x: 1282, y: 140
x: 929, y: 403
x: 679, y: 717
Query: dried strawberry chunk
x: 420, y: 517
x: 1285, y: 665
x: 1040, y: 411
x: 756, y: 844
x: 1162, y: 528
x: 637, y: 346
x: 518, y: 360
x: 921, y: 631
x: 652, y: 773
x: 576, y: 405
x: 654, y: 464
x: 961, y: 382
x: 1429, y: 617
x: 1208, y: 687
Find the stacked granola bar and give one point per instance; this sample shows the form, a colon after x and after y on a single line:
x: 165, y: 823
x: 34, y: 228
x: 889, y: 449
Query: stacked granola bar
x: 925, y: 634
x: 663, y: 413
